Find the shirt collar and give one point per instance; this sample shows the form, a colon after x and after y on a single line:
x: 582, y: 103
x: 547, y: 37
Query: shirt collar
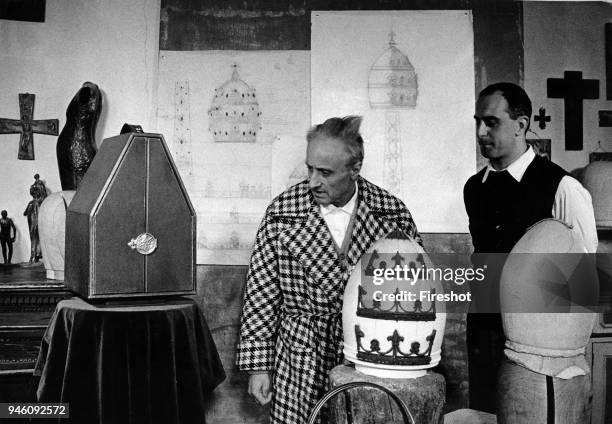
x: 517, y: 168
x: 348, y: 208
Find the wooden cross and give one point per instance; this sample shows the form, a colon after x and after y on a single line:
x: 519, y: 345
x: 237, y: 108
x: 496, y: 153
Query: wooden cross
x: 542, y: 118
x: 27, y: 126
x: 573, y: 89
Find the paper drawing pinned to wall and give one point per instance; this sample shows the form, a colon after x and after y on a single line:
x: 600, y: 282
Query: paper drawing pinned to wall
x: 234, y: 113
x: 402, y: 133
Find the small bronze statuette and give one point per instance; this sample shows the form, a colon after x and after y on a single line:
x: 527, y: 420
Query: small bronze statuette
x: 38, y: 191
x: 7, y: 238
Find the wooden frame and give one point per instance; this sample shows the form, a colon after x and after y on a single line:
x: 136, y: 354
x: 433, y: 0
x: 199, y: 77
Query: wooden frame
x: 23, y: 10
x: 599, y: 353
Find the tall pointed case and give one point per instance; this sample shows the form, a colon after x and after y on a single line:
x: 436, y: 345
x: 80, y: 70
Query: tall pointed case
x: 131, y: 228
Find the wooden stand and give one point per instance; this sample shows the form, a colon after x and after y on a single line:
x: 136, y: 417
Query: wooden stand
x: 525, y: 397
x: 424, y: 397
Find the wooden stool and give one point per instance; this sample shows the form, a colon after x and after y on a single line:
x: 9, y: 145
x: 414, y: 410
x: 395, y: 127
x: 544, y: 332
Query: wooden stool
x: 424, y: 397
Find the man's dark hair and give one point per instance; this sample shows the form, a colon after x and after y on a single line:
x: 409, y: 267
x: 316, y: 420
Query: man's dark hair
x: 4, y: 213
x: 345, y: 129
x: 518, y: 101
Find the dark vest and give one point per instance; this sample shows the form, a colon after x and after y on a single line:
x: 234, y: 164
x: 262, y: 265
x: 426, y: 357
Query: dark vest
x: 501, y: 209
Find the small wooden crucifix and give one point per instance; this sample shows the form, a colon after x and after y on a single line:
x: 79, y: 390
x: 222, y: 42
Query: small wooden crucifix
x: 542, y: 118
x: 27, y: 126
x: 573, y: 89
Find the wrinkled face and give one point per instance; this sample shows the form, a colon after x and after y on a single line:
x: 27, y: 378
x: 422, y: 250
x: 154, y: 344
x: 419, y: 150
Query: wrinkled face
x: 499, y: 136
x: 331, y: 176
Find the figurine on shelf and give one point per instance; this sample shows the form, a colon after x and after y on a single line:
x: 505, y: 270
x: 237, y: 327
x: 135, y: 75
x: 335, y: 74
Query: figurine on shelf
x: 38, y: 186
x: 38, y: 191
x: 6, y: 240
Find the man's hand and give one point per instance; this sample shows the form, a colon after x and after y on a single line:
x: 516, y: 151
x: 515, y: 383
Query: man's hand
x: 259, y: 387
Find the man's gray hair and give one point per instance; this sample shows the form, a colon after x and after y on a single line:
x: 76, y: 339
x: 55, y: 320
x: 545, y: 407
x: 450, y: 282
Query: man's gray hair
x: 345, y: 129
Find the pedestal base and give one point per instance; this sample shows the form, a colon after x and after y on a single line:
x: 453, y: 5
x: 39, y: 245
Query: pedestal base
x: 424, y: 397
x: 523, y: 398
x: 52, y: 231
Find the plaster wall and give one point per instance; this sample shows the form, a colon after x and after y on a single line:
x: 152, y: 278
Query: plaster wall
x: 567, y: 36
x: 112, y: 43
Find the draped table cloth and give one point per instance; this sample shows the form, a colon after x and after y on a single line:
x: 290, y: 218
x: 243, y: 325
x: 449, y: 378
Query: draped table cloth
x: 147, y: 363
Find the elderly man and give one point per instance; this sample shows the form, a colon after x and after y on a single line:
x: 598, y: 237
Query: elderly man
x: 516, y: 190
x: 308, y: 243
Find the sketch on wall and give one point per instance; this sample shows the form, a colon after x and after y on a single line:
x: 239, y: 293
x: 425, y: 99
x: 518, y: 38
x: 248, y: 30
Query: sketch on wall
x: 238, y: 121
x: 181, y: 140
x: 392, y: 86
x: 413, y: 82
x: 234, y: 113
x: 392, y: 160
x: 392, y: 83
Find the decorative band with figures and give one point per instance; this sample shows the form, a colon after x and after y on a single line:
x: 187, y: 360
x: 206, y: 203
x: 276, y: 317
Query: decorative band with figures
x: 394, y: 355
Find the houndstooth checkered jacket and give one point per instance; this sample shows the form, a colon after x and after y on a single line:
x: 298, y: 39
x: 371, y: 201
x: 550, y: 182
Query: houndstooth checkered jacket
x: 291, y: 322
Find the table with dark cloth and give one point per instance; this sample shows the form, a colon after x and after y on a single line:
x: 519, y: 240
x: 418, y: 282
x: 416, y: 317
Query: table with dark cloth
x: 153, y: 363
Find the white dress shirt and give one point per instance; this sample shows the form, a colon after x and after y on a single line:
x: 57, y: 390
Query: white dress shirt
x: 573, y: 204
x: 338, y: 218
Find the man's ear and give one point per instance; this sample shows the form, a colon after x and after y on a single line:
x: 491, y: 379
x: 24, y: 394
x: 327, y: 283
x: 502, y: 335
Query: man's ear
x: 355, y: 169
x: 523, y: 124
